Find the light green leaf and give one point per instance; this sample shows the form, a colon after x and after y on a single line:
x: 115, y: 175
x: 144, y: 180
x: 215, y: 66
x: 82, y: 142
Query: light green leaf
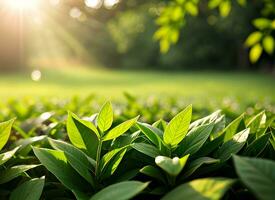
x: 191, y: 8
x: 255, y: 122
x: 57, y: 163
x: 29, y: 190
x: 178, y: 127
x: 13, y: 172
x: 5, y: 129
x: 214, y: 3
x: 4, y: 157
x: 105, y: 117
x: 225, y: 8
x: 262, y: 23
x: 232, y: 146
x: 122, y: 191
x: 268, y: 44
x: 253, y: 38
x: 77, y: 159
x: 258, y: 175
x: 120, y: 129
x: 81, y: 136
x: 232, y: 128
x: 242, y: 2
x: 195, y: 139
x: 255, y: 53
x: 171, y: 166
x: 200, y: 189
x: 195, y: 164
x: 146, y: 149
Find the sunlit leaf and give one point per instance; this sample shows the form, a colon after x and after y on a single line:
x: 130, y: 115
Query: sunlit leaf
x: 225, y: 8
x: 172, y: 166
x: 178, y: 127
x: 120, y: 129
x: 5, y: 129
x: 122, y: 191
x: 262, y: 23
x: 253, y: 38
x: 105, y: 117
x: 200, y: 189
x: 81, y: 136
x: 268, y: 44
x: 232, y: 146
x: 255, y: 53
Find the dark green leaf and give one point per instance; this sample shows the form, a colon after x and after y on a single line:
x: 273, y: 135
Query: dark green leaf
x: 30, y: 190
x: 258, y: 175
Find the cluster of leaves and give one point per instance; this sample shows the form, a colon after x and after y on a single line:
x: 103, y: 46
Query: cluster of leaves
x: 173, y: 18
x: 103, y: 158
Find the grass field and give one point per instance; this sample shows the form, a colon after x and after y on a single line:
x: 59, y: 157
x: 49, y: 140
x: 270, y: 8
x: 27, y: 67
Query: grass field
x: 111, y: 84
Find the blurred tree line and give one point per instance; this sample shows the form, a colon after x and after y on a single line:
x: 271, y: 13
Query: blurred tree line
x: 123, y: 34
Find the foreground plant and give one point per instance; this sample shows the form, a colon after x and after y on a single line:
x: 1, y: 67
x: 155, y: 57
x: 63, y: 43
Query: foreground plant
x: 31, y: 188
x: 108, y: 159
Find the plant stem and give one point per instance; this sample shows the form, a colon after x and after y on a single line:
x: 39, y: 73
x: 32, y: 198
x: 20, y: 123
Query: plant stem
x: 98, y: 153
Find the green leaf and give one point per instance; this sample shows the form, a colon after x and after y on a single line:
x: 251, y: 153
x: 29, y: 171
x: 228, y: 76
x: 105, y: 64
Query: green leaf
x: 242, y: 2
x: 255, y: 122
x: 232, y: 146
x: 195, y: 139
x: 262, y: 23
x: 171, y: 166
x: 81, y: 135
x: 214, y: 3
x: 146, y: 149
x: 268, y: 44
x: 110, y: 162
x: 5, y: 129
x: 191, y: 8
x: 255, y: 53
x: 120, y: 129
x: 206, y: 120
x: 178, y: 127
x: 195, y: 164
x: 122, y: 191
x: 153, y: 172
x: 29, y: 190
x: 57, y: 163
x: 77, y: 159
x: 257, y: 146
x: 4, y: 157
x: 232, y: 128
x: 151, y: 133
x: 225, y: 8
x: 105, y: 117
x: 253, y: 38
x: 258, y: 175
x: 200, y: 189
x: 13, y: 172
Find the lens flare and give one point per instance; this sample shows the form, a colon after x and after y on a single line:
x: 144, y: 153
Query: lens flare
x: 20, y: 5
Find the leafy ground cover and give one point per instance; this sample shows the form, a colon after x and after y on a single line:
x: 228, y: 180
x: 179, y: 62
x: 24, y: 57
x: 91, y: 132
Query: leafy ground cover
x: 154, y: 150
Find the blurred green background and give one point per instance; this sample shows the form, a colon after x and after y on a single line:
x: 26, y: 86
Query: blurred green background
x: 189, y: 49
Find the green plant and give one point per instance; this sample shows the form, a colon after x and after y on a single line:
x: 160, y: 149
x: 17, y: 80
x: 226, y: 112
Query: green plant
x: 30, y: 189
x: 105, y: 157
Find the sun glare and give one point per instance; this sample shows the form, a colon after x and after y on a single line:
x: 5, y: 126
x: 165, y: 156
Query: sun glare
x: 22, y: 5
